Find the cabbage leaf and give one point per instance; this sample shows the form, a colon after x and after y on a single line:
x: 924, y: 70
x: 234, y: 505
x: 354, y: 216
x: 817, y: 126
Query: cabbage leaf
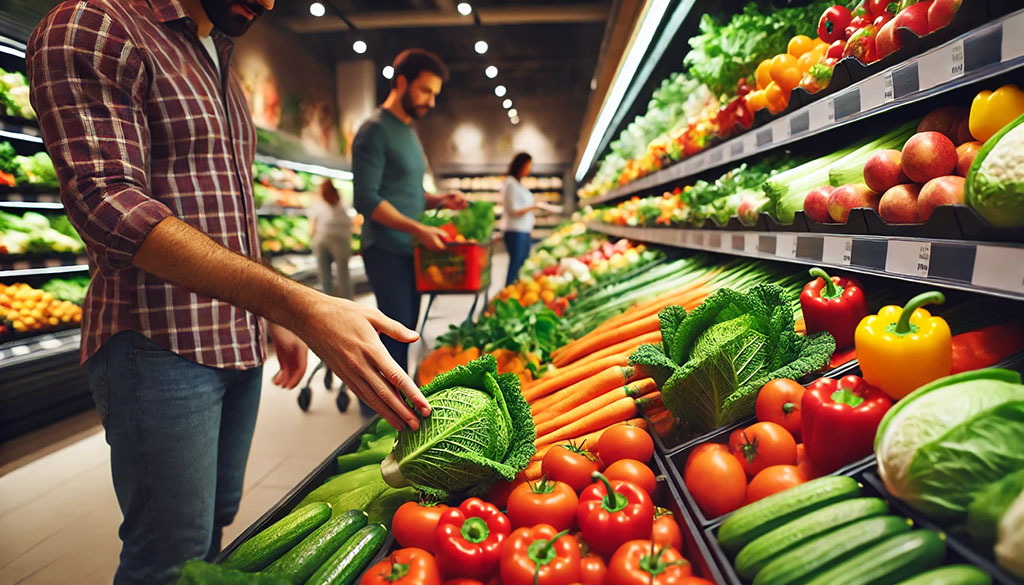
x: 480, y: 431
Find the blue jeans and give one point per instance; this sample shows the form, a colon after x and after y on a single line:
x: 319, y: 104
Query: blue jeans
x: 179, y: 436
x: 518, y: 246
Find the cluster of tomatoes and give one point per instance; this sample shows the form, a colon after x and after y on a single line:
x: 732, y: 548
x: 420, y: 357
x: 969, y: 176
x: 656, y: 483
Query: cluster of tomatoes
x: 759, y: 460
x: 576, y: 526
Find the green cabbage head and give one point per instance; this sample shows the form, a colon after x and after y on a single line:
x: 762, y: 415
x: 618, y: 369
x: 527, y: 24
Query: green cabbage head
x: 479, y: 432
x: 948, y: 440
x: 995, y: 183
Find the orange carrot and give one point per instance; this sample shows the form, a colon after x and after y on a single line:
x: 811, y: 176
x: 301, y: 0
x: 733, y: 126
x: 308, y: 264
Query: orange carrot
x: 629, y: 345
x: 589, y: 438
x: 650, y: 402
x: 618, y: 411
x: 580, y: 392
x: 593, y: 343
x: 593, y: 404
x: 657, y: 303
x: 547, y: 385
x: 532, y: 471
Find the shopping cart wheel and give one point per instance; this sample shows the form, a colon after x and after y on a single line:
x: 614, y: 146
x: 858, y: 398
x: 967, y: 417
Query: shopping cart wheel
x: 328, y: 378
x: 343, y: 399
x: 305, y: 396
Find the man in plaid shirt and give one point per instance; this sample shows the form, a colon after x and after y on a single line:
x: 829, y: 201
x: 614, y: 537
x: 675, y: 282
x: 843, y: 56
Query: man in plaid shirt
x: 153, y: 144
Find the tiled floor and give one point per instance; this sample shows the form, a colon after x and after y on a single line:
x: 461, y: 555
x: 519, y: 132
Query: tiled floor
x: 58, y: 514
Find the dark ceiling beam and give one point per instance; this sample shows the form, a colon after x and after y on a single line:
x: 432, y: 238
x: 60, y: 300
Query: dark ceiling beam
x: 576, y: 13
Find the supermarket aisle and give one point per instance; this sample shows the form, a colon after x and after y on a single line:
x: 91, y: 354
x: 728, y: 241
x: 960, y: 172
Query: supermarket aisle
x: 58, y: 514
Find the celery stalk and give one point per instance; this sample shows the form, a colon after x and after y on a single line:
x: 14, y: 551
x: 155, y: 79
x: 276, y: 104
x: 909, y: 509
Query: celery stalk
x: 850, y: 169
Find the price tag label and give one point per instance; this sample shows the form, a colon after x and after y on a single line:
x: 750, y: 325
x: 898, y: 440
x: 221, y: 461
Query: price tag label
x: 765, y: 136
x: 1013, y: 37
x: 999, y: 268
x: 750, y: 142
x: 785, y: 245
x: 799, y: 122
x: 50, y: 343
x: 750, y: 243
x: 873, y: 90
x: 715, y: 155
x: 908, y: 258
x: 736, y: 148
x: 20, y: 350
x: 941, y: 65
x: 846, y: 104
x: 820, y: 114
x: 677, y: 237
x: 696, y: 238
x: 888, y: 94
x: 837, y: 251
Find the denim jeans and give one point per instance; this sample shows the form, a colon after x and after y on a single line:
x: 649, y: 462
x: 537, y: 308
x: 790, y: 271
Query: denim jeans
x: 179, y: 436
x: 518, y: 246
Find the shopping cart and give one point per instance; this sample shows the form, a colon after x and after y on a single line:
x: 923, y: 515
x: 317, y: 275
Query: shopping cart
x: 306, y: 392
x: 461, y: 268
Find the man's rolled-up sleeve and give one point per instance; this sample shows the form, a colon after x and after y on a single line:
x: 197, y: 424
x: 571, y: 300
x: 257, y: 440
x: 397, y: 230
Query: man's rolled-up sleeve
x: 88, y: 84
x: 367, y: 168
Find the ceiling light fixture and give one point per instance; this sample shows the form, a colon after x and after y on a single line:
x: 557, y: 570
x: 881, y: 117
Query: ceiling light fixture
x: 491, y: 72
x: 359, y: 47
x: 500, y: 91
x: 515, y: 120
x: 507, y: 103
x: 648, y: 25
x: 464, y: 8
x: 480, y: 47
x: 513, y: 113
x: 388, y: 72
x: 317, y: 9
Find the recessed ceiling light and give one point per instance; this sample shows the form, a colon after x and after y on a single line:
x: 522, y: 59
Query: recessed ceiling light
x: 464, y: 8
x: 317, y: 9
x: 507, y: 103
x: 500, y: 91
x: 388, y: 72
x: 513, y: 113
x: 491, y: 72
x: 515, y: 120
x: 359, y: 47
x: 480, y: 47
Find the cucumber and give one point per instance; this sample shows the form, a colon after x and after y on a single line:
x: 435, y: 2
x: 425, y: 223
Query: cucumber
x: 345, y: 565
x: 767, y: 514
x: 753, y: 557
x: 309, y: 555
x: 888, y: 562
x: 269, y: 545
x: 951, y: 575
x: 803, y: 561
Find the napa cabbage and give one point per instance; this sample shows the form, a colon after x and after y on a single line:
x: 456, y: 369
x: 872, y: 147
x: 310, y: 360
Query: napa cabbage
x: 480, y: 431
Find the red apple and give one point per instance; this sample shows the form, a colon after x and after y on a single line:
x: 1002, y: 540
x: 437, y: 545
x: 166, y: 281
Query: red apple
x: 848, y: 197
x: 748, y: 210
x: 950, y: 121
x: 899, y: 204
x: 941, y: 13
x: 928, y: 155
x: 883, y: 171
x: 914, y: 17
x: 887, y: 41
x: 965, y: 154
x: 816, y: 203
x: 948, y: 190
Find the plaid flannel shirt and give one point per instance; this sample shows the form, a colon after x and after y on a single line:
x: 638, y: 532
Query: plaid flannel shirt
x: 141, y: 127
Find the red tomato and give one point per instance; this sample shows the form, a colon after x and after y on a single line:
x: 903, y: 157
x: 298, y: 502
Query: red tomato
x: 462, y: 581
x: 779, y: 402
x: 878, y: 7
x: 736, y: 438
x: 702, y: 449
x: 633, y: 471
x: 419, y: 569
x: 569, y: 464
x: 765, y: 444
x: 593, y: 570
x: 666, y: 530
x: 716, y: 481
x: 835, y: 50
x: 773, y: 480
x: 543, y: 502
x: 693, y: 581
x: 415, y: 524
x: 641, y: 562
x: 625, y: 442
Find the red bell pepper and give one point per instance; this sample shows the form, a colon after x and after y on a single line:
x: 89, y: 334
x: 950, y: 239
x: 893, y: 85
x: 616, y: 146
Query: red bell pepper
x: 840, y: 418
x: 834, y: 304
x: 540, y: 556
x: 469, y: 539
x: 641, y: 562
x: 613, y: 512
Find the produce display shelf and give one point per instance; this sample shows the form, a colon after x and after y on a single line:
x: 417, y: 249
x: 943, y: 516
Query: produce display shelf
x: 43, y: 345
x: 323, y: 166
x: 280, y: 210
x: 43, y: 266
x: 992, y: 268
x: 16, y: 198
x: 989, y: 50
x: 19, y: 130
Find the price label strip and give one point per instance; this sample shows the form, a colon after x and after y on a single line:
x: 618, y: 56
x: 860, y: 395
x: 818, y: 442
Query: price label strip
x: 837, y: 251
x: 785, y: 246
x: 800, y: 122
x: 750, y: 244
x: 905, y: 81
x: 1013, y: 37
x: 943, y: 64
x: 873, y: 91
x: 983, y: 48
x: 780, y: 131
x: 999, y: 268
x: 908, y: 258
x: 847, y: 104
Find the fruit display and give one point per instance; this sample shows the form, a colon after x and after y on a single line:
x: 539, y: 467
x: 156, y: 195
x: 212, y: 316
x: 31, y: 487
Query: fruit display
x: 284, y: 233
x: 35, y: 171
x: 34, y: 233
x: 284, y: 187
x: 26, y: 309
x: 14, y: 95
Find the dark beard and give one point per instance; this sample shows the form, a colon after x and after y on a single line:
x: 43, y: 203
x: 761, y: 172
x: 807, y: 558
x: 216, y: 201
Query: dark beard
x: 219, y: 13
x: 414, y: 111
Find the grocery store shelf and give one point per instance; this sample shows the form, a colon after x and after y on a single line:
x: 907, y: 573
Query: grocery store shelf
x: 279, y: 210
x: 42, y: 346
x: 19, y: 131
x: 989, y: 50
x: 990, y: 268
x: 316, y: 166
x: 43, y: 266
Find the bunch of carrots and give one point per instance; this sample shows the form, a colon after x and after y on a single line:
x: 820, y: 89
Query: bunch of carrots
x: 446, y: 357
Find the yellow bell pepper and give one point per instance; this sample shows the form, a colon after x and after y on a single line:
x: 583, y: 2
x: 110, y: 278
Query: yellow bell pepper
x: 991, y: 110
x: 903, y: 348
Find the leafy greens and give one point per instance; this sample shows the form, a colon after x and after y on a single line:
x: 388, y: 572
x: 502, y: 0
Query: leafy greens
x: 535, y: 329
x: 480, y: 431
x: 712, y: 361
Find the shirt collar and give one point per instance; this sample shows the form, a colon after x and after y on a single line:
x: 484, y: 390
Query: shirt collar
x: 172, y: 11
x: 168, y: 10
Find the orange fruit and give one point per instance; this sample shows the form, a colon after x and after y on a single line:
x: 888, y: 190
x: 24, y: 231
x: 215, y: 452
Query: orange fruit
x: 776, y: 98
x: 762, y: 75
x: 799, y: 45
x: 785, y: 71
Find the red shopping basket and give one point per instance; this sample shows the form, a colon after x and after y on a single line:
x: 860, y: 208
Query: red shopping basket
x: 460, y: 267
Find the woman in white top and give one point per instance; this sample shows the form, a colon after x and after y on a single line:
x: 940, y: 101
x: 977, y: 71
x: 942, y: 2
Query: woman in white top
x: 517, y: 217
x: 331, y: 232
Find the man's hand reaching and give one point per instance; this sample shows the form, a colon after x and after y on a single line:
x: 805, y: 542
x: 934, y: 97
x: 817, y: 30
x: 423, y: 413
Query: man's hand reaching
x: 432, y: 238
